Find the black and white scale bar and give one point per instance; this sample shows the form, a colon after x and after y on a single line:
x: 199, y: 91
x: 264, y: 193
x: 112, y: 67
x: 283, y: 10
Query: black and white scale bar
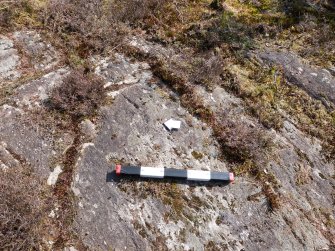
x: 158, y: 172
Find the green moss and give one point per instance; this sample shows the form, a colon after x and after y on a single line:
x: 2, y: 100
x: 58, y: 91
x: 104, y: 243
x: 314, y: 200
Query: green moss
x: 333, y: 118
x: 172, y: 196
x: 244, y: 168
x: 22, y: 13
x: 197, y: 155
x: 75, y: 61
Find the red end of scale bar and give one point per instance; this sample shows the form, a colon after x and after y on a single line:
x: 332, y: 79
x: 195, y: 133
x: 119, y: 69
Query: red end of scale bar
x: 231, y: 177
x: 118, y: 169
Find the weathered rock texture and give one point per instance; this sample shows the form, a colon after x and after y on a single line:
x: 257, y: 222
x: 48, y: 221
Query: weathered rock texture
x: 319, y: 83
x: 132, y: 131
x: 42, y: 55
x: 9, y: 59
x: 233, y: 218
x: 131, y: 214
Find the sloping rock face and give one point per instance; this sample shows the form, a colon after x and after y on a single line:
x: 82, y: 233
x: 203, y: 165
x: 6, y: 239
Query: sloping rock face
x: 149, y: 215
x: 9, y: 59
x: 42, y: 55
x: 131, y: 130
x: 21, y: 133
x: 113, y: 213
x: 22, y: 50
x: 23, y: 130
x: 319, y: 83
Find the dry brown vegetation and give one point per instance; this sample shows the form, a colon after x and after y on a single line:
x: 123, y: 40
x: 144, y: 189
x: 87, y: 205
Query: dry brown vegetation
x: 170, y: 194
x: 207, y: 71
x: 24, y: 204
x: 97, y: 25
x: 79, y: 95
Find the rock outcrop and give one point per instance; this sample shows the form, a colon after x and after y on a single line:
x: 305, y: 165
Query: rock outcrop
x: 319, y: 83
x: 9, y: 59
x: 134, y: 214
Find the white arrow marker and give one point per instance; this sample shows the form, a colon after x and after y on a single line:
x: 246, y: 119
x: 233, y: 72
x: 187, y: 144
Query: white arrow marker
x: 172, y: 124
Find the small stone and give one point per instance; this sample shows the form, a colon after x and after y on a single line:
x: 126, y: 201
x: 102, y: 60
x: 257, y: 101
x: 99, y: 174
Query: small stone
x: 54, y: 176
x: 130, y: 80
x: 52, y: 214
x: 113, y: 94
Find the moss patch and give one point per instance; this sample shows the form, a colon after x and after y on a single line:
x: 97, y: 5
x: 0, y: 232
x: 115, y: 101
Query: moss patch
x: 197, y: 155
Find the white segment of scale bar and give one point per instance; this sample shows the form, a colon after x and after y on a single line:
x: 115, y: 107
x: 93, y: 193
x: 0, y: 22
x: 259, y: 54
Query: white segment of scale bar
x: 198, y: 175
x: 152, y: 172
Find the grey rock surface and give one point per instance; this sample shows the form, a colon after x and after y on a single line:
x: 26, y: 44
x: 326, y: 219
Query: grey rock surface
x: 132, y: 214
x: 319, y: 83
x: 24, y: 139
x: 35, y: 93
x: 23, y: 129
x: 42, y: 55
x: 132, y: 130
x: 88, y: 129
x: 223, y: 217
x: 7, y: 160
x: 119, y: 73
x: 9, y: 60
